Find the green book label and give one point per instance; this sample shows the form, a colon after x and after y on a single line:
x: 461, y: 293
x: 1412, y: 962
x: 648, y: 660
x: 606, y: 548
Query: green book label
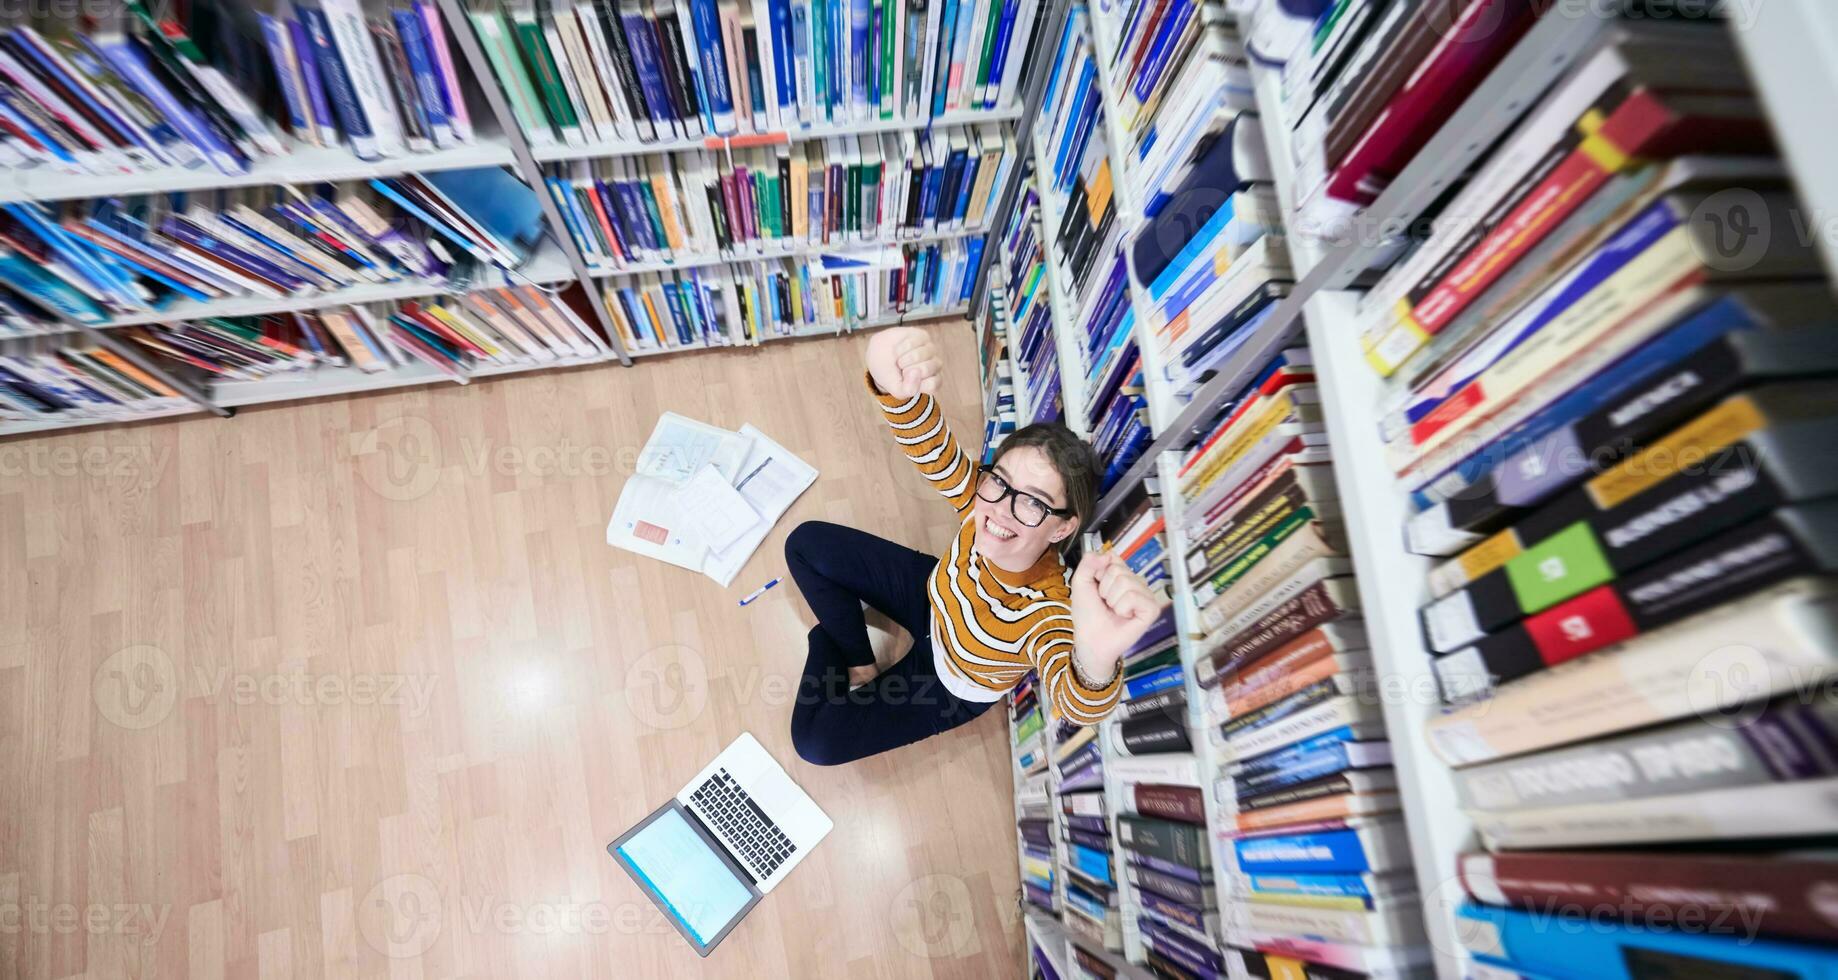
x: 1567, y: 563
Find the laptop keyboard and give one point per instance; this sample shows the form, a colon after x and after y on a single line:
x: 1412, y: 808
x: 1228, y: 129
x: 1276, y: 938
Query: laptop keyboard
x: 743, y: 825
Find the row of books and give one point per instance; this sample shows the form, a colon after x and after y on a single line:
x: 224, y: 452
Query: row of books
x: 996, y: 368
x: 1092, y: 905
x: 1034, y: 806
x: 1311, y: 820
x: 1032, y: 344
x: 453, y: 335
x: 52, y: 380
x: 1180, y: 79
x: 663, y: 70
x: 756, y: 301
x: 1087, y: 226
x: 133, y: 89
x: 99, y: 259
x: 675, y: 207
x: 1612, y: 418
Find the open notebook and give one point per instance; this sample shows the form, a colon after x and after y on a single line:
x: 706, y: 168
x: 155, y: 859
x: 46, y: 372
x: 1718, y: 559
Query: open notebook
x: 704, y: 497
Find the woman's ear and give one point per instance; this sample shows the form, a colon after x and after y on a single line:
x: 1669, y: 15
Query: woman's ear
x: 1071, y: 527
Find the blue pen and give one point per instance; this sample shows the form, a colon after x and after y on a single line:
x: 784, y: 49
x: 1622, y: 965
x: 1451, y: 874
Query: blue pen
x: 759, y: 591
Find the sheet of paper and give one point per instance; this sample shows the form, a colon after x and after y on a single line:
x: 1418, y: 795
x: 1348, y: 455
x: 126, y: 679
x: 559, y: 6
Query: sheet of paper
x: 712, y: 507
x: 771, y: 479
x: 680, y: 446
x: 648, y: 521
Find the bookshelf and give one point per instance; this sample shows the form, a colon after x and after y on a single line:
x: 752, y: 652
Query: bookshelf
x: 1790, y: 48
x: 556, y: 265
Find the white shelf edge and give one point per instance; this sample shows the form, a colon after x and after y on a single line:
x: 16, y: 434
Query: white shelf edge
x: 558, y: 152
x: 803, y: 250
x: 302, y: 164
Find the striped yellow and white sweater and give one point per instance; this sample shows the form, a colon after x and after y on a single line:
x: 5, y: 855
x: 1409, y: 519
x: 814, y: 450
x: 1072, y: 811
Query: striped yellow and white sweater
x: 991, y: 626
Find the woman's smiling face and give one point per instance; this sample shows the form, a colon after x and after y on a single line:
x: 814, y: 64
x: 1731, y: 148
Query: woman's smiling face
x: 1002, y: 536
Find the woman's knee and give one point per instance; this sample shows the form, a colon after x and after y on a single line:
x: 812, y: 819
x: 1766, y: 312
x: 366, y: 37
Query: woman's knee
x: 813, y: 745
x: 807, y: 540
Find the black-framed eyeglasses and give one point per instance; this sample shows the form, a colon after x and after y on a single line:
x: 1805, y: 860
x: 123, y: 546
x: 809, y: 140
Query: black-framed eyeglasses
x: 1027, y: 508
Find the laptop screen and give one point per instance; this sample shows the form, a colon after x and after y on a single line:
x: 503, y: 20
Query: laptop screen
x: 692, y: 882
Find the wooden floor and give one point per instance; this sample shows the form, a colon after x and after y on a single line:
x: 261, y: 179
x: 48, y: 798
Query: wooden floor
x: 356, y: 688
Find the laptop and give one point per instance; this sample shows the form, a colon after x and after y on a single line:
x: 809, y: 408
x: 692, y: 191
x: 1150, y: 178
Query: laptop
x: 708, y: 856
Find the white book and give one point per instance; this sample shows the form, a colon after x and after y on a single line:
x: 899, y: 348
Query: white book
x: 590, y: 95
x: 969, y: 95
x: 560, y: 51
x: 357, y: 49
x: 600, y: 56
x: 929, y: 58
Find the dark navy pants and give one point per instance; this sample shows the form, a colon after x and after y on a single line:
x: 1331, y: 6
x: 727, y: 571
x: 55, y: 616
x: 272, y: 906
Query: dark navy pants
x: 839, y: 568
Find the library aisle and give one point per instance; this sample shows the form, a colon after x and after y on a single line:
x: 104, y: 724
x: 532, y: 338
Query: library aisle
x: 500, y: 693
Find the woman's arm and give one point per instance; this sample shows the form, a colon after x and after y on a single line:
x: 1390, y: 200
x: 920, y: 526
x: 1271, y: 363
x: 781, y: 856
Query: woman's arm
x: 1077, y: 648
x: 903, y: 373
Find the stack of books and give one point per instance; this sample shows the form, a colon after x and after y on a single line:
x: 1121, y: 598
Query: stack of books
x: 1091, y: 905
x: 1033, y: 801
x: 1142, y: 541
x: 830, y: 293
x: 601, y: 71
x: 138, y: 91
x: 48, y: 381
x: 1611, y: 401
x: 454, y: 335
x: 997, y: 369
x: 1035, y: 351
x: 1319, y: 868
x: 1082, y: 213
x: 686, y: 208
x: 100, y: 260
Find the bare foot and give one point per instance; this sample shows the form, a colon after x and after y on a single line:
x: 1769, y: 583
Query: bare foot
x: 862, y: 675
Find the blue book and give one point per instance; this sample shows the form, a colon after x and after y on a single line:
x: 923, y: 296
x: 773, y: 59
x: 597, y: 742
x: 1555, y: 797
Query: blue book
x: 877, y: 22
x: 497, y: 202
x: 859, y: 29
x: 1354, y: 850
x: 14, y: 115
x: 279, y: 40
x: 90, y: 263
x: 648, y: 62
x: 973, y: 258
x: 838, y: 31
x: 30, y: 280
x: 430, y: 99
x: 941, y: 67
x: 1167, y: 33
x: 784, y: 46
x: 1592, y: 948
x: 562, y: 193
x: 1084, y: 103
x: 998, y: 58
x: 801, y: 25
x: 315, y: 94
x: 1284, y: 757
x: 337, y: 81
x: 129, y: 60
x: 1093, y: 864
x: 1159, y: 680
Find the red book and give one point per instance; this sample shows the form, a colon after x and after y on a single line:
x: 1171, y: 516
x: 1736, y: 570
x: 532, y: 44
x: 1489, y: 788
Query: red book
x: 1789, y: 896
x: 1472, y: 46
x: 1180, y: 803
x: 1646, y: 123
x: 433, y: 325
